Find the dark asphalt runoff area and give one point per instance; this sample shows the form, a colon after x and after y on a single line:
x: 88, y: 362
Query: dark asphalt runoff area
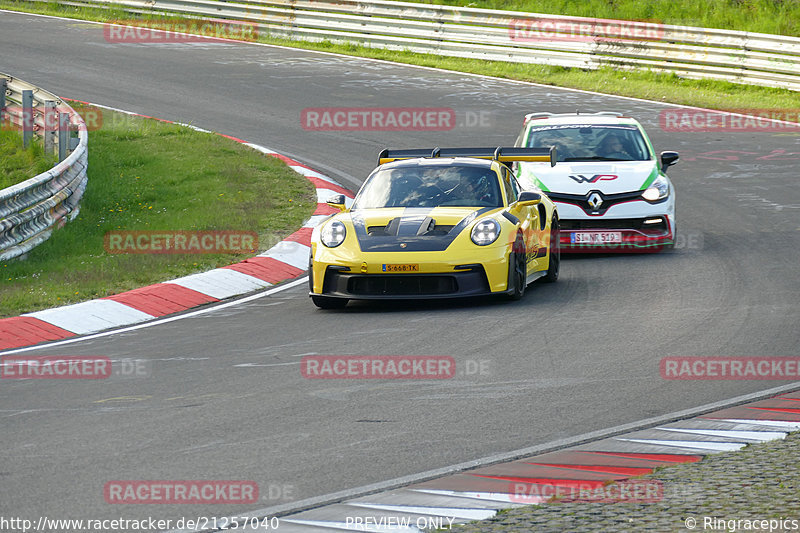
x: 225, y: 399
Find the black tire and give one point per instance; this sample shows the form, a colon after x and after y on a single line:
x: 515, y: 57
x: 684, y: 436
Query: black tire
x: 554, y: 253
x: 517, y: 270
x: 310, y: 273
x: 326, y: 302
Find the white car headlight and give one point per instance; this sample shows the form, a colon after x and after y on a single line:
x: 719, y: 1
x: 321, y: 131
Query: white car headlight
x: 485, y: 232
x: 332, y: 235
x: 658, y: 190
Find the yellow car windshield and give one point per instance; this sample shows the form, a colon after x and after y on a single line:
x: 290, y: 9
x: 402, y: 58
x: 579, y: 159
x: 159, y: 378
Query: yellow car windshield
x: 430, y: 186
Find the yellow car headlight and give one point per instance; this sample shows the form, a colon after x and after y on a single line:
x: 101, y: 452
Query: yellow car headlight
x: 485, y: 232
x: 333, y: 234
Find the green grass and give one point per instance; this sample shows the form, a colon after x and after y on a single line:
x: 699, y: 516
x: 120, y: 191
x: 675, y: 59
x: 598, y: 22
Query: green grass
x: 149, y: 175
x: 639, y: 84
x: 124, y: 181
x: 764, y: 16
x: 17, y: 164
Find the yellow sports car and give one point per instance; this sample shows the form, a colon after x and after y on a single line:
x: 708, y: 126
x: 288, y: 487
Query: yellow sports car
x: 437, y: 223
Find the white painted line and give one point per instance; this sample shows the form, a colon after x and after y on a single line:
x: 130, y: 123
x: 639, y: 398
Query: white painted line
x: 261, y: 149
x: 452, y: 512
x: 297, y: 166
x: 760, y: 436
x: 190, y: 314
x: 485, y: 496
x: 307, y: 172
x: 784, y: 424
x: 250, y: 365
x: 694, y: 444
x: 291, y: 253
x: 504, y: 498
x: 298, y: 280
x: 91, y: 316
x: 352, y: 527
x: 221, y: 283
x: 315, y: 221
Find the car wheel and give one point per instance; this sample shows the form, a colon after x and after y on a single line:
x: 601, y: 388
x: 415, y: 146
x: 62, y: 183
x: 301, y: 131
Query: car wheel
x: 326, y: 302
x: 554, y: 264
x: 518, y: 267
x: 310, y: 273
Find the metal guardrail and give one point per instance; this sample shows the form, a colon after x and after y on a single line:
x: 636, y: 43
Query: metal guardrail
x: 701, y: 53
x: 29, y: 211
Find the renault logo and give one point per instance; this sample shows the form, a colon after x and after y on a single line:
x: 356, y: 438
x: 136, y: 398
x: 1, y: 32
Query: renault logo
x: 595, y: 201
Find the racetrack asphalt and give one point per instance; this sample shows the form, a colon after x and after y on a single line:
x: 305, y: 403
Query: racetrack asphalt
x: 225, y: 398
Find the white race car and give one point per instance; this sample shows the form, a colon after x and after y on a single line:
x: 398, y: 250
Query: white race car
x: 613, y: 195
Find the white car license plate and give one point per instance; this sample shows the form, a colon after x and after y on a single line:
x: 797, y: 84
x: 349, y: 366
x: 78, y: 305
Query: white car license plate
x: 597, y: 237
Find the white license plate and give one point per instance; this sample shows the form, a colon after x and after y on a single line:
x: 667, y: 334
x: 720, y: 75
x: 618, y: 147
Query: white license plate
x: 401, y: 268
x: 597, y: 237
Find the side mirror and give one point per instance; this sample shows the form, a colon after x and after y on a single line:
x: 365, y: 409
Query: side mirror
x: 529, y: 198
x: 337, y: 201
x: 668, y: 159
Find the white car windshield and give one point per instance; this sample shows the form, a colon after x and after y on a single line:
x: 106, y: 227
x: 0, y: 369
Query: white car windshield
x: 591, y: 142
x: 430, y: 186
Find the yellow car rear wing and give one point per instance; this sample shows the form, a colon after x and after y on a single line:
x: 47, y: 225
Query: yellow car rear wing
x: 501, y: 154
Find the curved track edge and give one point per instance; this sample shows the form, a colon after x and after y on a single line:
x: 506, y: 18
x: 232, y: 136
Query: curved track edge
x: 285, y: 261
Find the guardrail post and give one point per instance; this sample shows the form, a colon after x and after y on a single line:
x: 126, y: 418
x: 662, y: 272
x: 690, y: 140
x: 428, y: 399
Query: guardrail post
x: 32, y: 209
x: 50, y: 126
x: 27, y: 117
x: 63, y: 135
x: 3, y: 89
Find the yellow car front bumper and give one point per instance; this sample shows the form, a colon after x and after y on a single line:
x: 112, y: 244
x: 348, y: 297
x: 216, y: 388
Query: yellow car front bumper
x: 379, y: 275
